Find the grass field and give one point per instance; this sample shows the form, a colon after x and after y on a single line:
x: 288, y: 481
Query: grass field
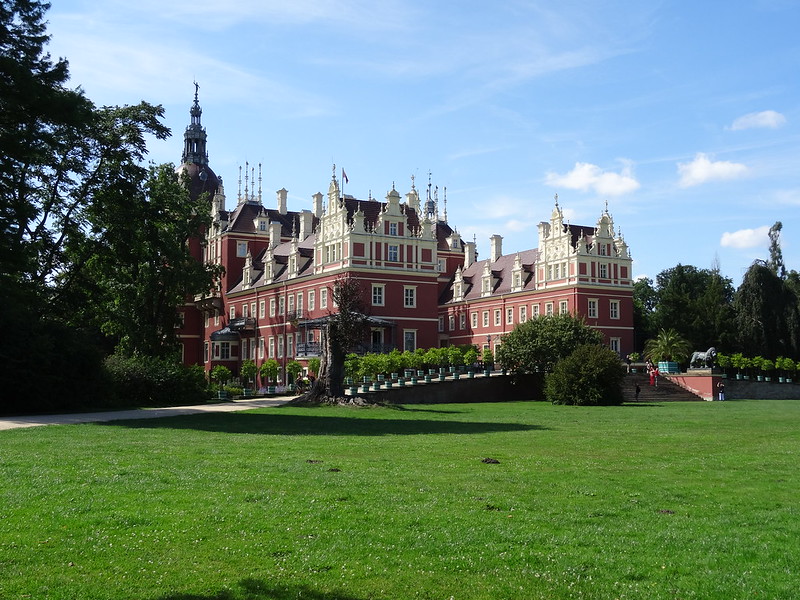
x: 677, y: 500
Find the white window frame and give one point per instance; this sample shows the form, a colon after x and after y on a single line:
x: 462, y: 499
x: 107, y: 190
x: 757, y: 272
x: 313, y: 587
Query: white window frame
x: 486, y: 318
x: 535, y: 310
x: 603, y: 271
x: 241, y: 249
x: 548, y: 309
x: 262, y: 305
x: 509, y: 315
x: 440, y: 326
x: 412, y: 335
x: 378, y: 294
x: 261, y: 348
x: 409, y: 296
x: 451, y: 322
x: 271, y: 346
x: 323, y: 298
x: 312, y: 297
x: 393, y: 229
x: 591, y: 310
x: 232, y: 312
x: 393, y: 253
x: 498, y: 317
x: 462, y: 321
x: 245, y: 310
x: 523, y: 313
x: 272, y: 304
x: 614, y: 344
x: 563, y: 307
x: 474, y: 320
x: 613, y: 309
x: 281, y: 305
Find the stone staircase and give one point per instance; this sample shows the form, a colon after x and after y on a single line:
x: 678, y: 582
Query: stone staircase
x: 667, y: 391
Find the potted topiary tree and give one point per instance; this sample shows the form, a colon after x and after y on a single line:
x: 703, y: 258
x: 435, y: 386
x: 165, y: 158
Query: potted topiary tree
x: 470, y: 358
x: 487, y: 357
x: 221, y: 375
x: 248, y: 372
x: 269, y: 373
x: 767, y: 366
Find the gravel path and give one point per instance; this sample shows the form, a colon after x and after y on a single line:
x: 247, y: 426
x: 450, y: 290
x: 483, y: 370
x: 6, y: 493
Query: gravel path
x: 144, y: 413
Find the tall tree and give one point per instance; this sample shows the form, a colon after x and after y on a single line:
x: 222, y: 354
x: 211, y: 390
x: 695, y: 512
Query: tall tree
x: 697, y: 303
x: 645, y: 302
x: 775, y: 252
x: 767, y: 316
x: 345, y: 327
x: 138, y: 258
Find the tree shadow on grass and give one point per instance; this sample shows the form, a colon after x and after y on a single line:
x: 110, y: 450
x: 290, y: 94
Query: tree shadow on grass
x: 254, y: 589
x: 274, y: 422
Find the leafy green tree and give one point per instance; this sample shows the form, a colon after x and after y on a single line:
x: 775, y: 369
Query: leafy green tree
x: 268, y: 370
x: 539, y: 343
x: 221, y: 374
x: 138, y: 258
x: 248, y: 371
x: 775, y: 253
x: 698, y: 304
x: 668, y: 345
x: 645, y: 302
x: 592, y: 375
x: 767, y: 316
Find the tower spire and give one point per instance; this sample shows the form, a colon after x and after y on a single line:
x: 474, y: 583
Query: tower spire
x: 194, y: 138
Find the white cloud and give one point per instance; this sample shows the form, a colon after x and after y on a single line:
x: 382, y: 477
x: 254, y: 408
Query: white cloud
x: 768, y: 119
x: 746, y: 238
x: 703, y: 169
x: 588, y: 177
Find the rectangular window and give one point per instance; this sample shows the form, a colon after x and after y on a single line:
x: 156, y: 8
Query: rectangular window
x: 206, y: 320
x: 291, y: 303
x: 486, y: 318
x: 271, y: 346
x: 241, y: 249
x: 280, y: 346
x: 498, y: 318
x: 205, y: 351
x: 509, y: 316
x: 216, y: 316
x: 323, y: 298
x: 441, y: 323
x: 535, y: 309
x: 232, y: 312
x: 523, y: 314
x: 442, y: 265
x: 272, y: 307
x: 614, y: 309
x: 462, y: 321
x: 311, y: 300
x: 410, y: 339
x: 245, y: 311
x: 613, y: 343
x: 563, y: 307
x: 281, y: 305
x: 261, y: 348
x: 224, y: 350
x: 603, y: 271
x: 410, y: 297
x: 474, y: 317
x: 451, y: 322
x: 548, y: 309
x: 592, y: 310
x: 290, y: 345
x: 377, y: 294
x: 261, y: 307
x: 392, y: 228
x: 392, y: 255
x: 300, y: 305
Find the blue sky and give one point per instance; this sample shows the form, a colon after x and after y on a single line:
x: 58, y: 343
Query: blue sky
x: 683, y: 116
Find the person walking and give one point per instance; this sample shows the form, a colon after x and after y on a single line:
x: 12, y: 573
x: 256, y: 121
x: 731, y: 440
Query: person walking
x: 721, y: 391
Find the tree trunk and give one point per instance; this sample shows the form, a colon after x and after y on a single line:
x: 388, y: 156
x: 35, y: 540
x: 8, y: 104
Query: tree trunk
x: 329, y: 383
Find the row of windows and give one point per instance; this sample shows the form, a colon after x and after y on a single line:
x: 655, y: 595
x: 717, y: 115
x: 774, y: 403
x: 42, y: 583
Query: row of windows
x: 549, y: 307
x: 379, y: 295
x: 279, y: 306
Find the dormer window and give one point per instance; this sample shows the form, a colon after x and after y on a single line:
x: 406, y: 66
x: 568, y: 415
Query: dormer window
x: 392, y: 228
x: 262, y: 225
x: 603, y: 250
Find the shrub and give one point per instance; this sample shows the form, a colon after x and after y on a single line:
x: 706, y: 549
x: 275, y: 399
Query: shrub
x: 221, y: 374
x: 248, y: 370
x: 313, y: 365
x: 150, y: 381
x: 591, y: 376
x: 269, y: 370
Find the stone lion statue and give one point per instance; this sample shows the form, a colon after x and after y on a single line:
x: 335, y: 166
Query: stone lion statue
x: 703, y: 359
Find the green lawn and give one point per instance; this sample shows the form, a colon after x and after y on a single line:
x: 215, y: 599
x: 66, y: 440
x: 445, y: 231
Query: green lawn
x: 678, y: 500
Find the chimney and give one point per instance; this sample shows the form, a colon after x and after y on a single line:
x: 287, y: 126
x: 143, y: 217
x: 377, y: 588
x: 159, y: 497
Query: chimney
x: 469, y: 254
x: 274, y: 234
x: 496, y: 251
x: 282, y: 193
x: 306, y: 220
x: 317, y: 204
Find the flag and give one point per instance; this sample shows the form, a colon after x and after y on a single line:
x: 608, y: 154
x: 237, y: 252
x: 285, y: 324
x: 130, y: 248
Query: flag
x: 344, y: 176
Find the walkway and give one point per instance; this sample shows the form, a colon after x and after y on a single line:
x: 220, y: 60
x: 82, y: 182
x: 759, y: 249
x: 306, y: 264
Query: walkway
x: 142, y: 413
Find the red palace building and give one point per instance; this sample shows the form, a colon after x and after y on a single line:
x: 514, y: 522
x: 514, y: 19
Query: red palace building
x: 423, y: 284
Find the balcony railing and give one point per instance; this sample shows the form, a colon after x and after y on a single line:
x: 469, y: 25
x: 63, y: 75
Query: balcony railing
x: 242, y: 324
x: 309, y: 349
